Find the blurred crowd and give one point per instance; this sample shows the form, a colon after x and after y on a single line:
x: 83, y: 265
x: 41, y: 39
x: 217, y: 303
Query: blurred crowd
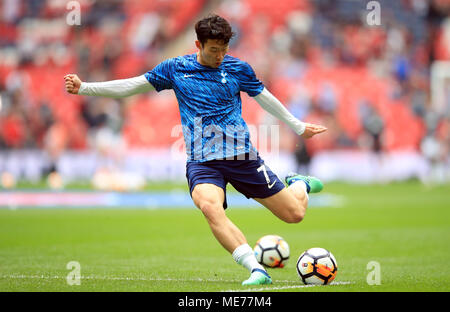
x: 369, y: 84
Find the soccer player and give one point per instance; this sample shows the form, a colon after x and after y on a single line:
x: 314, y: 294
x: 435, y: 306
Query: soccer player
x: 207, y: 85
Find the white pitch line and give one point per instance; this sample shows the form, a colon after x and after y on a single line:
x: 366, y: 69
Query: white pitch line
x: 282, y: 287
x: 159, y: 279
x: 113, y: 278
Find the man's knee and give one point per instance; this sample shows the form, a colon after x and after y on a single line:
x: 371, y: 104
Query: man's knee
x: 295, y: 217
x: 210, y: 206
x: 295, y: 214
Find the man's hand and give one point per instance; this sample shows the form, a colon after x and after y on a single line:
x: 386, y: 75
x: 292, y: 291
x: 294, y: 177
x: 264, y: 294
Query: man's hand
x: 312, y: 130
x: 73, y: 83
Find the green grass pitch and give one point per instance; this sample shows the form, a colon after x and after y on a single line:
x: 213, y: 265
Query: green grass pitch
x: 405, y: 227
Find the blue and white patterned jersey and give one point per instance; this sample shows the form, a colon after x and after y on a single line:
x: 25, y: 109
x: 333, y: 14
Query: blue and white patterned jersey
x: 210, y: 104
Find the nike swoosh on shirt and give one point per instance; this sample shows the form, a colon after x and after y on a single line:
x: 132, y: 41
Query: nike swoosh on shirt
x: 270, y: 185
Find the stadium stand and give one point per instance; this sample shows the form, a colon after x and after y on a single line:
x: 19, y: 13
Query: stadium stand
x: 318, y: 57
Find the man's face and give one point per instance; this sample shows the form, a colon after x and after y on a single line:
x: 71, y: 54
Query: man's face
x: 212, y: 52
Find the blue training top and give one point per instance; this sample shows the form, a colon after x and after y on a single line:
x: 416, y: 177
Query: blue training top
x: 210, y: 104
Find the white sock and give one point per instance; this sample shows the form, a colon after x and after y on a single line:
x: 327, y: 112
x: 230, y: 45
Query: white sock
x: 302, y: 185
x: 245, y: 256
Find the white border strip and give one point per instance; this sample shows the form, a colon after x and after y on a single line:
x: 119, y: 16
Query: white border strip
x: 113, y: 278
x: 282, y: 287
x: 153, y: 279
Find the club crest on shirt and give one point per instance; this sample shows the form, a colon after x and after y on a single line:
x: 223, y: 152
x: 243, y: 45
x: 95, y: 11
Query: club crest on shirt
x: 223, y: 74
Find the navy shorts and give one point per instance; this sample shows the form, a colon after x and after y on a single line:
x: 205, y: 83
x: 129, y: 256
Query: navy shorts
x: 252, y: 178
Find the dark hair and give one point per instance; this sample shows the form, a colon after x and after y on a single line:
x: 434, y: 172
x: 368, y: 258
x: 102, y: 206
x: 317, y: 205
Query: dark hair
x: 213, y: 27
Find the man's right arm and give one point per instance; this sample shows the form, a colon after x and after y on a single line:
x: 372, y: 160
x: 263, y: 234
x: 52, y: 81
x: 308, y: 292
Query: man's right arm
x: 114, y: 88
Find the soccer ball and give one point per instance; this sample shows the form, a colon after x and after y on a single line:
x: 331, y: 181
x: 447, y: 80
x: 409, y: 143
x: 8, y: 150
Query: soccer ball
x: 317, y: 266
x: 272, y: 251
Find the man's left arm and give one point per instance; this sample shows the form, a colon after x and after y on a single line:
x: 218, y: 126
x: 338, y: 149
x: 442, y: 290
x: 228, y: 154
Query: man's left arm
x: 272, y: 105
